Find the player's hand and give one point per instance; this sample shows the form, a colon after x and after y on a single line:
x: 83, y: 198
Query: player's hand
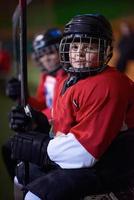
x: 13, y: 89
x: 22, y: 120
x: 18, y: 120
x: 30, y: 146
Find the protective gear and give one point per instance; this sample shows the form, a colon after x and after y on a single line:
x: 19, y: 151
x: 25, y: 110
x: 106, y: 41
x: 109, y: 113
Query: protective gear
x: 69, y: 82
x: 46, y: 43
x: 31, y: 196
x: 87, y: 29
x: 21, y: 121
x: 31, y: 147
x: 13, y: 89
x: 6, y: 156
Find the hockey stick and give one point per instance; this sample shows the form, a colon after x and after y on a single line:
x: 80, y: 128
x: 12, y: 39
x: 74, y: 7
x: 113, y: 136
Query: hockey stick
x: 23, y: 65
x: 23, y: 51
x: 20, y: 19
x: 15, y: 27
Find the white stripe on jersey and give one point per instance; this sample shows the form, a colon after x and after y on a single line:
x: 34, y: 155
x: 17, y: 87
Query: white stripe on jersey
x: 68, y: 153
x: 49, y: 86
x: 124, y: 127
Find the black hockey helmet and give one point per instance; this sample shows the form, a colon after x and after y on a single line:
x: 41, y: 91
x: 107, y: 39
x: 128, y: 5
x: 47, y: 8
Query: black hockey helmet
x: 89, y: 29
x: 47, y: 42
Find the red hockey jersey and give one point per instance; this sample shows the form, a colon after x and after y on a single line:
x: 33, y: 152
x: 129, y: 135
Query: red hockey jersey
x: 91, y: 113
x: 45, y: 92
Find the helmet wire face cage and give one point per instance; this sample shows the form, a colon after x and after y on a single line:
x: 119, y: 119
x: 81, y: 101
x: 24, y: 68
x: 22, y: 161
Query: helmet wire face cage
x: 81, y: 53
x: 86, y: 46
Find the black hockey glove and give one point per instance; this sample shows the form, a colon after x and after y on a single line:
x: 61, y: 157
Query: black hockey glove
x: 22, y: 120
x: 31, y: 147
x: 13, y: 89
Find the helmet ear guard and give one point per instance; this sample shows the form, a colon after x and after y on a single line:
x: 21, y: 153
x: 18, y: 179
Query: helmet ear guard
x: 109, y: 53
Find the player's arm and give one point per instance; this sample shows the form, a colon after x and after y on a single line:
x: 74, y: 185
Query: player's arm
x: 87, y: 141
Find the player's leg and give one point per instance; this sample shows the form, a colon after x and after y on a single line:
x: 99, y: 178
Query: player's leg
x: 18, y: 192
x: 34, y: 172
x: 67, y: 184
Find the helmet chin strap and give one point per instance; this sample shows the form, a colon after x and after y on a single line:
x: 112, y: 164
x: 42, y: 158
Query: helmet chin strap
x: 73, y: 79
x: 86, y: 71
x: 69, y: 82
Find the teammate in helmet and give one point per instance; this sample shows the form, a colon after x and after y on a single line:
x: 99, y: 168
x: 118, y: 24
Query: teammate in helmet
x: 46, y: 55
x: 45, y: 50
x: 89, y: 110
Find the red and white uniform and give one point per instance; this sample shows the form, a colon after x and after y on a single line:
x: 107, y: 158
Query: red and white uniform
x: 88, y: 117
x: 45, y: 92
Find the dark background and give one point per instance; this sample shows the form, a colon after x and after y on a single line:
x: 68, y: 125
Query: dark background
x: 42, y: 14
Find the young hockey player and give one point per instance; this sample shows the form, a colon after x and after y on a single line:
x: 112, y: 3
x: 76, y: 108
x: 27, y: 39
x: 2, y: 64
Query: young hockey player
x: 89, y: 110
x: 46, y: 55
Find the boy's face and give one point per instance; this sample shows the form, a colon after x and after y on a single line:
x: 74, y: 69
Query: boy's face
x: 50, y: 60
x: 84, y: 55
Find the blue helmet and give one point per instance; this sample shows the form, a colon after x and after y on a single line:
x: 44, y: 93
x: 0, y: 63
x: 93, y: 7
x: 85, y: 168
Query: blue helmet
x: 47, y: 42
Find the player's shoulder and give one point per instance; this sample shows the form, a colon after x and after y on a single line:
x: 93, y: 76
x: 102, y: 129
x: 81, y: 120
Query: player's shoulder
x: 110, y: 79
x: 61, y: 75
x: 112, y: 76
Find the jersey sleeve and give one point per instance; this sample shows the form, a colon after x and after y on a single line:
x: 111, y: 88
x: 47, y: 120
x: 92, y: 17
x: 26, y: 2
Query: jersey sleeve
x: 38, y: 102
x: 95, y: 115
x: 68, y: 153
x: 101, y: 116
x: 89, y: 138
x: 47, y: 112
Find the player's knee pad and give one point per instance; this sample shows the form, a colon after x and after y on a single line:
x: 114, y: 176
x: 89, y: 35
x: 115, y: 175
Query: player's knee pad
x: 20, y: 173
x: 31, y: 196
x: 18, y: 190
x: 16, y: 183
